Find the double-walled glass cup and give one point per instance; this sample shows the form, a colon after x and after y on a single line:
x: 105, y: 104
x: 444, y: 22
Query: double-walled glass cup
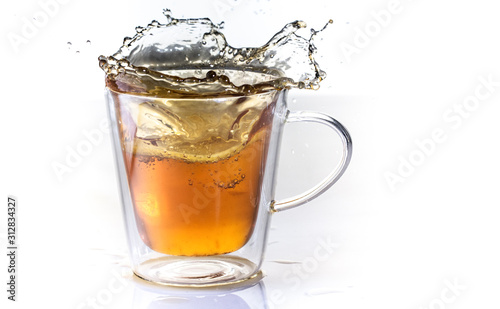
x: 198, y: 177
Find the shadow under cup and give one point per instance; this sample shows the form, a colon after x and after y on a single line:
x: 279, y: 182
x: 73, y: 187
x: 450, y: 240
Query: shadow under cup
x: 197, y: 182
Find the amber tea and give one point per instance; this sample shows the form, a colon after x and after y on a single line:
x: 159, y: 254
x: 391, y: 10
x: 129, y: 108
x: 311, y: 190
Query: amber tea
x: 196, y: 192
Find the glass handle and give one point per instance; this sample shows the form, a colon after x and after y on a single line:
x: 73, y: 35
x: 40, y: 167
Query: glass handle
x: 334, y: 175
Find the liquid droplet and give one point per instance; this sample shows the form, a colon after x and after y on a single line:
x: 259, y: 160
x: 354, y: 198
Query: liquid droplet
x: 88, y: 42
x: 127, y: 40
x: 168, y: 14
x: 286, y: 262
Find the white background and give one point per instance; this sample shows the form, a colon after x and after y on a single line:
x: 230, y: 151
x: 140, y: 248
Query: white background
x: 395, y: 246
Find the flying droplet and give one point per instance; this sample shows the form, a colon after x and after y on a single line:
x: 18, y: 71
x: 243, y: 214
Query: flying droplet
x: 88, y: 42
x: 168, y: 14
x: 127, y: 40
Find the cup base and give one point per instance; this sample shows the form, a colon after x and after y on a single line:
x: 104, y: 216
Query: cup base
x: 198, y: 271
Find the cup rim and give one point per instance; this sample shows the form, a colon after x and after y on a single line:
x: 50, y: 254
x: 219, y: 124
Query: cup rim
x: 194, y: 97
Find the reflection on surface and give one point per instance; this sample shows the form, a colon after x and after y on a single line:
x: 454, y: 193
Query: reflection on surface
x: 248, y: 295
x: 206, y: 302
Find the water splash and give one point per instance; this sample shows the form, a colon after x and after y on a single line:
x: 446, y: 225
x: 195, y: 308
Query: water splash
x: 192, y: 57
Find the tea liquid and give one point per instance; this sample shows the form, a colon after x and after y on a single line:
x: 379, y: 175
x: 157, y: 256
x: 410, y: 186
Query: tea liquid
x: 186, y: 207
x: 195, y: 168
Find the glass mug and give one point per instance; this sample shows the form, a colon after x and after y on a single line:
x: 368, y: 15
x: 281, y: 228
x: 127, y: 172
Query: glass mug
x: 197, y: 178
